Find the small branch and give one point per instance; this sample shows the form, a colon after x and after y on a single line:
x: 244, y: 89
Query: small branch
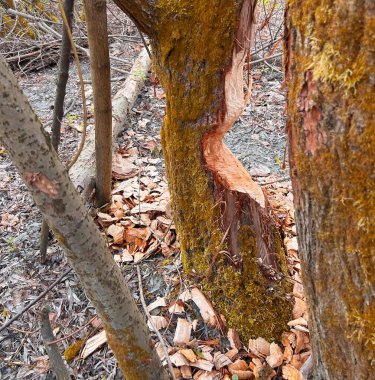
x: 13, y: 12
x: 73, y: 333
x: 161, y: 340
x: 57, y: 363
x: 32, y: 303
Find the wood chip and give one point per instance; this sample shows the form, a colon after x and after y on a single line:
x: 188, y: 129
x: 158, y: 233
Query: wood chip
x: 234, y: 339
x: 183, y: 332
x: 205, y: 307
x: 203, y: 375
x: 93, y: 344
x: 158, y: 321
x: 231, y: 353
x: 221, y: 360
x: 186, y: 372
x: 298, y: 321
x: 259, y: 347
x: 203, y: 364
x: 159, y: 302
x: 179, y: 360
x: 189, y: 355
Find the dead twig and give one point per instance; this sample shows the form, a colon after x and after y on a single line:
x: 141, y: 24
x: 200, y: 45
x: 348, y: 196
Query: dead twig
x: 32, y: 303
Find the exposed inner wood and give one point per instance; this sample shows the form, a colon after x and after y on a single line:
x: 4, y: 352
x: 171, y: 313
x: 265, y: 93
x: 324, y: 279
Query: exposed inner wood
x: 244, y: 202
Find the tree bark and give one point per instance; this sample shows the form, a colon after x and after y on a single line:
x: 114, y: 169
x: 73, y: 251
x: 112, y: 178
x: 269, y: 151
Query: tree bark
x: 330, y: 66
x: 96, y: 21
x: 55, y: 195
x: 229, y: 238
x: 58, y: 110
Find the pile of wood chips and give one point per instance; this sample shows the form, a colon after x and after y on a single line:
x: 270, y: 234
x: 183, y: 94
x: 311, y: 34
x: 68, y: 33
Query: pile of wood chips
x: 139, y: 224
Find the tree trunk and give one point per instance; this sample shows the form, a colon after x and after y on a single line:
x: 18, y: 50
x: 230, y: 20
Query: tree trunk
x: 96, y: 20
x: 62, y: 207
x: 229, y: 239
x: 330, y: 66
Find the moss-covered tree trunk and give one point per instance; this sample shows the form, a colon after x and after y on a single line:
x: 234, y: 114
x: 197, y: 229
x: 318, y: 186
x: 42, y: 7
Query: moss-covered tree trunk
x: 229, y: 239
x: 330, y: 68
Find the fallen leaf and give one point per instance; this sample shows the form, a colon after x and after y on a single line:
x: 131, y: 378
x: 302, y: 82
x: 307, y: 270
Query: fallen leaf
x: 221, y: 360
x: 123, y: 168
x: 159, y: 302
x: 291, y: 373
x: 117, y: 233
x: 275, y: 359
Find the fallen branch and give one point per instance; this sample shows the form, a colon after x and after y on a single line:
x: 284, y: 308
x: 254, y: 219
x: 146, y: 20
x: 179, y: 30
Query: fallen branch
x: 123, y: 101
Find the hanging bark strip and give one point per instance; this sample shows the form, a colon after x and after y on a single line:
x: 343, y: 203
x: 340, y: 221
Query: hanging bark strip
x: 330, y: 70
x: 22, y: 134
x: 199, y: 54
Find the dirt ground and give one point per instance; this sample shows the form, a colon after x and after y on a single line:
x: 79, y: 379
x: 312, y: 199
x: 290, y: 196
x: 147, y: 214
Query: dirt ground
x: 258, y: 140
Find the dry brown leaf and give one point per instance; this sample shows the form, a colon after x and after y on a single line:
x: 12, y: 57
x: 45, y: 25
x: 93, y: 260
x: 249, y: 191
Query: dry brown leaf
x: 189, y: 355
x: 138, y: 256
x: 259, y: 347
x: 302, y: 342
x: 291, y: 373
x: 275, y: 359
x: 288, y: 338
x: 123, y: 168
x: 176, y: 307
x: 241, y: 369
x: 296, y: 361
x: 158, y: 321
x: 185, y: 296
x: 205, y: 307
x: 299, y: 308
x: 183, y: 332
x: 288, y: 353
x: 177, y: 373
x: 117, y: 233
x: 221, y: 360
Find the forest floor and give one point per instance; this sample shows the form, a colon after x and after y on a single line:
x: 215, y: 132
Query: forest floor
x: 139, y: 211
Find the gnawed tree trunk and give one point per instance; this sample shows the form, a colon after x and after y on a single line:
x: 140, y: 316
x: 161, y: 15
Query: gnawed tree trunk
x: 86, y: 249
x: 330, y: 69
x: 229, y: 240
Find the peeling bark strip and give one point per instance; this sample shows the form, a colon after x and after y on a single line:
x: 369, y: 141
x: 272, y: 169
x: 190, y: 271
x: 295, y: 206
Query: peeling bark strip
x: 32, y: 153
x: 228, y: 239
x: 330, y: 69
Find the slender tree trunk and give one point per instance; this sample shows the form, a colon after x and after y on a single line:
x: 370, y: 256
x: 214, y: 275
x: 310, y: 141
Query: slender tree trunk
x: 229, y: 239
x: 96, y: 20
x: 330, y: 69
x: 58, y: 110
x: 55, y: 195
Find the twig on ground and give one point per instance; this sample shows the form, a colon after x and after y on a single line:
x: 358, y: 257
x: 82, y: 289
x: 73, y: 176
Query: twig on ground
x: 161, y: 339
x: 73, y: 333
x: 32, y: 303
